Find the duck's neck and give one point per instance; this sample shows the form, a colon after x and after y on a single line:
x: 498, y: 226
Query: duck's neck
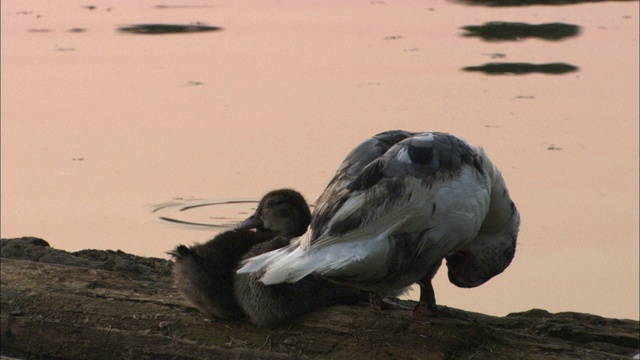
x: 501, y: 209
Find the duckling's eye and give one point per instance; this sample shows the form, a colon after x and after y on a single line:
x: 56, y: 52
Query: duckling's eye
x: 271, y: 202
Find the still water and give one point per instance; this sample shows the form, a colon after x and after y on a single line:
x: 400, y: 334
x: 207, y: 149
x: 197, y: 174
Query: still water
x: 108, y: 134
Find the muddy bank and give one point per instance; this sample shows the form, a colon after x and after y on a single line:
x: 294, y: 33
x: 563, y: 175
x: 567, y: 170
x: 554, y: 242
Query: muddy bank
x: 95, y: 304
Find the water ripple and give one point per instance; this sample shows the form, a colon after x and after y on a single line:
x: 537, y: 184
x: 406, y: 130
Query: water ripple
x: 205, y: 213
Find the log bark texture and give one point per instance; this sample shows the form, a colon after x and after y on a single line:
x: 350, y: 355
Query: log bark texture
x: 111, y: 305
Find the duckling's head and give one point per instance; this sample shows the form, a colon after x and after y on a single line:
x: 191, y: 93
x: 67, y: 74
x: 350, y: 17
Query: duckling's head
x: 284, y: 211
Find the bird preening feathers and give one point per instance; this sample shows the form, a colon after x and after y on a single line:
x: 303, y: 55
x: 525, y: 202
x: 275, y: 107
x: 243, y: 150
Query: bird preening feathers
x: 399, y: 204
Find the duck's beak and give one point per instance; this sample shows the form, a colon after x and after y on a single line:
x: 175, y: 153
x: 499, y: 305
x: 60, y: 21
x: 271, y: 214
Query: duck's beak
x: 252, y: 222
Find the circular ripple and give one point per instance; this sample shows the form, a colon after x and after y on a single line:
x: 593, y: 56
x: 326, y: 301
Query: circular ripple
x: 203, y: 213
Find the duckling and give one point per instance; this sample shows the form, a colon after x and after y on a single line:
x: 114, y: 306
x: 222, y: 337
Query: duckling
x: 204, y: 273
x: 400, y: 203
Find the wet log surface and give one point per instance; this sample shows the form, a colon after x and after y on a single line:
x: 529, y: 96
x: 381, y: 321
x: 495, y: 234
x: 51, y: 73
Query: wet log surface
x: 111, y: 305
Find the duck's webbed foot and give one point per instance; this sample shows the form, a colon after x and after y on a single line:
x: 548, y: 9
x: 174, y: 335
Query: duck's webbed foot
x: 376, y: 301
x: 427, y: 304
x: 422, y: 308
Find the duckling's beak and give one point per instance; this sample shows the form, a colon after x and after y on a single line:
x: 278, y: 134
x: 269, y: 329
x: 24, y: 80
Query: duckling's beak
x: 252, y: 222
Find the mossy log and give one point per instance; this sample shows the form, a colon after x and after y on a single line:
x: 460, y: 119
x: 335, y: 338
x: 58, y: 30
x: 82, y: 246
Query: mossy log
x: 110, y: 305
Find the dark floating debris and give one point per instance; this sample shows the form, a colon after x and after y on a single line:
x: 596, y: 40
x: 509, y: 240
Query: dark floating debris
x: 500, y: 31
x: 522, y: 68
x: 157, y: 29
x: 496, y: 55
x: 497, y: 3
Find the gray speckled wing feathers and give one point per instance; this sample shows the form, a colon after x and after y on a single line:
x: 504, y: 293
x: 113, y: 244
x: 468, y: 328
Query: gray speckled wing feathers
x: 383, y: 161
x: 353, y: 164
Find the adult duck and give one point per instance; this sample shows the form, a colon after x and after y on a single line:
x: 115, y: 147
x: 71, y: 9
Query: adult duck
x: 399, y: 204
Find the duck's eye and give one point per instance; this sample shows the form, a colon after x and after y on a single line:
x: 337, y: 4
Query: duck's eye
x: 271, y: 202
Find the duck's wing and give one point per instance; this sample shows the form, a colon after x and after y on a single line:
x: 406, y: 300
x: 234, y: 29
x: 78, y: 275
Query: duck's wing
x: 361, y: 156
x: 368, y: 151
x: 359, y: 195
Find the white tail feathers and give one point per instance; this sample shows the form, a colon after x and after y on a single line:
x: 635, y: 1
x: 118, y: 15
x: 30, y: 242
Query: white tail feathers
x: 289, y: 268
x: 282, y: 265
x: 292, y: 263
x: 264, y: 260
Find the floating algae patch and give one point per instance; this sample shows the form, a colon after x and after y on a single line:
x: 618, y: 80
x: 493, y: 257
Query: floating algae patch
x: 159, y: 29
x: 505, y: 31
x: 498, y: 3
x: 523, y: 68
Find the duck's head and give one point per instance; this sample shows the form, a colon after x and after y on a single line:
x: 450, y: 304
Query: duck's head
x: 492, y: 250
x: 479, y: 261
x: 284, y: 211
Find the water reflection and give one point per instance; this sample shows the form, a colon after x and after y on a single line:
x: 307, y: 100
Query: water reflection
x: 522, y: 68
x: 498, y: 31
x: 514, y: 31
x: 530, y: 2
x: 156, y: 29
